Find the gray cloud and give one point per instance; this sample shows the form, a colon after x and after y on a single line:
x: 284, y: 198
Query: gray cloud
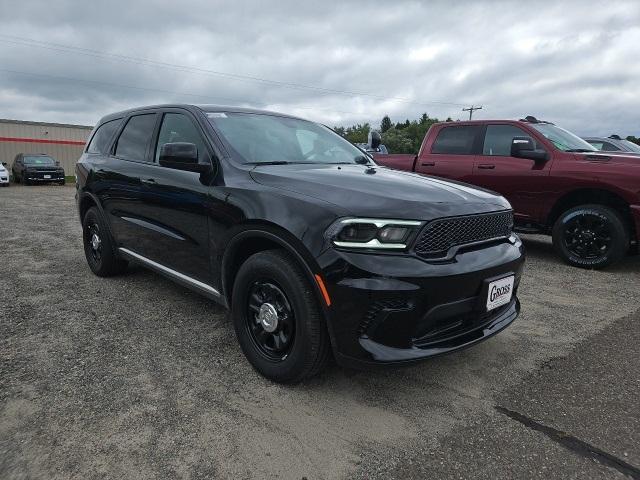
x: 570, y: 62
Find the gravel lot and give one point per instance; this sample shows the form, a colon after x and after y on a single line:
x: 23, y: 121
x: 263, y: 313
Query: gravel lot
x: 136, y: 377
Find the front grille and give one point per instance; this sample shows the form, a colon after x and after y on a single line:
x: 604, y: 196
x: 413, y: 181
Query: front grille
x: 438, y: 236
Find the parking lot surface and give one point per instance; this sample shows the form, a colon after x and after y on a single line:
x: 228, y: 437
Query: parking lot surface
x: 136, y: 377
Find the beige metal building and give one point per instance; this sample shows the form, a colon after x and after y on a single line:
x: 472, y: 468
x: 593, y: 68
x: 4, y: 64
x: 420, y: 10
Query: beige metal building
x: 60, y: 141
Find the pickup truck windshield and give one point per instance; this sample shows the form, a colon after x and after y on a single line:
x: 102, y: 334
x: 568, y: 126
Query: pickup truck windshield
x: 38, y: 160
x: 563, y: 139
x: 260, y: 138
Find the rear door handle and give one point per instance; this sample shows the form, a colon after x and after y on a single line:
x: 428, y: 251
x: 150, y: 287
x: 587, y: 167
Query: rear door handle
x: 485, y: 166
x: 428, y: 164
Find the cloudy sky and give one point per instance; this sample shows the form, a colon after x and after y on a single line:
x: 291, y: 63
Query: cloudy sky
x: 573, y: 63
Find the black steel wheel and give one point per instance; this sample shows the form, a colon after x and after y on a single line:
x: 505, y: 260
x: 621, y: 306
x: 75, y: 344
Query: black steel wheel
x: 278, y: 319
x: 590, y: 236
x: 270, y: 320
x: 99, y: 248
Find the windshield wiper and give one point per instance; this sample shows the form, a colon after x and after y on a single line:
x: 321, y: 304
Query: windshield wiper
x: 274, y: 162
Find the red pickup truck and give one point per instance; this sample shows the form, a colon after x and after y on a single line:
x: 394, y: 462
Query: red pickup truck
x: 558, y: 184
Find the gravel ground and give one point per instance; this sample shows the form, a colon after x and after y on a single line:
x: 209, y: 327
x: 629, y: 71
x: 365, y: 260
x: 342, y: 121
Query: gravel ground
x: 136, y: 377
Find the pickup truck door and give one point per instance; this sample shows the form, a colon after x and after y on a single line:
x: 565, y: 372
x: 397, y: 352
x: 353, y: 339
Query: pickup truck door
x: 522, y: 181
x: 451, y: 153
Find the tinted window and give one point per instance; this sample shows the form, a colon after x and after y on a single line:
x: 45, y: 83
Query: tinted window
x: 608, y: 147
x: 258, y: 138
x: 633, y: 147
x: 498, y: 139
x: 135, y: 137
x: 38, y: 160
x: 456, y: 140
x: 179, y: 128
x: 100, y: 141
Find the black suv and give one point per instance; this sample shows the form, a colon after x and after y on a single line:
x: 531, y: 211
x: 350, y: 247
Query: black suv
x: 36, y: 168
x: 313, y: 247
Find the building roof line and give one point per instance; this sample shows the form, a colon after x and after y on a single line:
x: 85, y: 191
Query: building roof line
x: 45, y: 124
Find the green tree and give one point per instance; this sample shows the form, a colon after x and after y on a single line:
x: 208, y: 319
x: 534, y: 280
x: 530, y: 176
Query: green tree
x: 357, y: 133
x: 397, y: 141
x: 385, y: 124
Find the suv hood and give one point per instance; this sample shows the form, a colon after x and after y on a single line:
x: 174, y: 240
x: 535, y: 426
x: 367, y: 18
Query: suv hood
x: 379, y: 191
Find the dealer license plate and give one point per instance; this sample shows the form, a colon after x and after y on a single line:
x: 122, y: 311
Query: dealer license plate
x: 500, y: 292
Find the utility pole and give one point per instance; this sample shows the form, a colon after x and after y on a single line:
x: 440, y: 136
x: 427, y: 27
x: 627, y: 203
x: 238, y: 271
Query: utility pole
x: 471, y: 110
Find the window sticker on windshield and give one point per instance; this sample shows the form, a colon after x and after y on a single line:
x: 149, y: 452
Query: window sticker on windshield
x: 216, y: 115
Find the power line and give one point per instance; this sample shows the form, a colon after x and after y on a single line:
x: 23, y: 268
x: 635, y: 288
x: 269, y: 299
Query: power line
x: 159, y: 90
x: 28, y: 42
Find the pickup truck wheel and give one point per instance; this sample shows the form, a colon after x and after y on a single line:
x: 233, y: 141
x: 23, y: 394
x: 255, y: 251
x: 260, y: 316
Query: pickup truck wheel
x: 99, y: 248
x: 277, y: 318
x: 590, y: 236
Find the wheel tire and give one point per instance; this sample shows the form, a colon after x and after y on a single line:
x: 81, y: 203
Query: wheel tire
x: 309, y: 349
x: 63, y: 182
x: 24, y: 181
x: 103, y: 259
x: 614, y: 225
x: 16, y: 179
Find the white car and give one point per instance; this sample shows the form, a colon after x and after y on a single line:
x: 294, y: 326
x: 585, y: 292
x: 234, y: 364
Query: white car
x: 4, y: 175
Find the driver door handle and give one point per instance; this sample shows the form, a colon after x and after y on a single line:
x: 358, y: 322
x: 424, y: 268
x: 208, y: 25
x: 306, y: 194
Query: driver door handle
x: 428, y: 164
x: 486, y: 166
x: 148, y: 181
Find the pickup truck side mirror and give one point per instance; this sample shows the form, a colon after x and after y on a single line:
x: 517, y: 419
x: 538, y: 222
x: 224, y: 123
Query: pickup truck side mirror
x: 181, y: 156
x: 524, y: 147
x: 376, y: 140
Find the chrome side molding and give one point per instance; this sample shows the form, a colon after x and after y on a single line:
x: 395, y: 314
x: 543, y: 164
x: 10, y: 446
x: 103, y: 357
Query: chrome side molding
x: 181, y: 277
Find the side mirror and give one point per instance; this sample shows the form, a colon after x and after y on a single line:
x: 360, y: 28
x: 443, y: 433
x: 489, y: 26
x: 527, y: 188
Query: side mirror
x: 181, y: 156
x: 524, y: 147
x: 376, y: 140
x: 4, y: 164
x: 57, y: 163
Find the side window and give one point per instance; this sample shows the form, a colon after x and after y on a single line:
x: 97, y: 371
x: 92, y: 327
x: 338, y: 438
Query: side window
x: 609, y: 147
x: 457, y: 140
x: 135, y: 137
x: 100, y: 141
x: 597, y: 145
x: 177, y: 127
x: 497, y: 140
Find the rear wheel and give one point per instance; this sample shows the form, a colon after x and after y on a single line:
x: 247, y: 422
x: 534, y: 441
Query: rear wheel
x: 99, y: 248
x: 277, y: 318
x: 591, y: 236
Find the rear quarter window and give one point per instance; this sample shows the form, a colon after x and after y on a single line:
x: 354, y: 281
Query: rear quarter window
x: 102, y: 138
x: 456, y: 140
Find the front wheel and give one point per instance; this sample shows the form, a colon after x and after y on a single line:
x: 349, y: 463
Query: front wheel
x: 590, y: 236
x: 277, y: 318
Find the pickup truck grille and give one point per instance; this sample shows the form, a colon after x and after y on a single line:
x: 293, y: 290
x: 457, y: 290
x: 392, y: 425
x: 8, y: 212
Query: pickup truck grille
x: 438, y: 236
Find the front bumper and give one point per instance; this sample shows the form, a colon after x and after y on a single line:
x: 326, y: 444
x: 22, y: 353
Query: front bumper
x: 390, y: 309
x: 40, y: 177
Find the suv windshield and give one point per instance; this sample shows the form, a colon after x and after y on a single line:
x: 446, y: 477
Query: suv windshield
x: 634, y: 147
x: 563, y: 139
x: 260, y: 138
x: 38, y: 160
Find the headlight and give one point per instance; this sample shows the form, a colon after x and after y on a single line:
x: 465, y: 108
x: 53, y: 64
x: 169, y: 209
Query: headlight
x: 373, y: 233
